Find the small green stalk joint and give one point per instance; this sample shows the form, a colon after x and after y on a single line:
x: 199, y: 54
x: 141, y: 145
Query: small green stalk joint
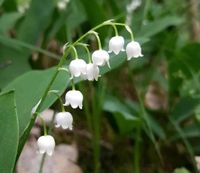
x: 130, y: 31
x: 63, y: 69
x: 65, y: 47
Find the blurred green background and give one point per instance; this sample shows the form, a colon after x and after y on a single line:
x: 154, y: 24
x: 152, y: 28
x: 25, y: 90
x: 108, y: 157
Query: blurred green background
x: 142, y: 115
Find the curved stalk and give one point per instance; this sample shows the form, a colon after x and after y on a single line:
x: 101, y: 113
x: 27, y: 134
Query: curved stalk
x: 27, y: 130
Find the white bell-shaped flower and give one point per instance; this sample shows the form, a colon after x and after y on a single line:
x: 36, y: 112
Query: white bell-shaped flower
x: 133, y: 50
x: 74, y: 98
x: 77, y: 67
x: 46, y: 144
x: 116, y: 44
x: 92, y: 72
x: 100, y: 57
x: 64, y: 119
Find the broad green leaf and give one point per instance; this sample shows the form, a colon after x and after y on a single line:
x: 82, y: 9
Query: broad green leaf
x: 115, y: 61
x: 13, y: 63
x: 190, y: 87
x: 125, y: 120
x: 30, y: 31
x: 8, y: 20
x: 183, y: 66
x: 20, y: 45
x: 9, y: 132
x: 181, y: 170
x: 156, y: 127
x: 34, y: 25
x: 184, y: 109
x: 77, y: 14
x: 29, y: 90
x: 95, y: 14
x: 10, y: 5
x: 65, y: 22
x: 186, y: 142
x: 189, y: 132
x: 1, y: 2
x: 190, y: 56
x: 153, y: 28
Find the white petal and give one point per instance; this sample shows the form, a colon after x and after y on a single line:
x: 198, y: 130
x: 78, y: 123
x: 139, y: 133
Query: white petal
x: 74, y: 97
x: 116, y: 44
x: 46, y: 144
x: 57, y: 125
x: 41, y: 151
x: 100, y: 57
x: 133, y: 50
x: 77, y: 67
x: 50, y: 152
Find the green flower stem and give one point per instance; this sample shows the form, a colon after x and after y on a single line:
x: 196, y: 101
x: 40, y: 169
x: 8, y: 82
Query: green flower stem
x: 42, y: 163
x: 27, y: 130
x: 75, y: 51
x: 97, y: 37
x: 87, y: 51
x: 60, y: 100
x: 137, y: 150
x: 127, y: 28
x: 115, y: 29
x: 96, y: 118
x: 72, y: 84
x: 44, y: 125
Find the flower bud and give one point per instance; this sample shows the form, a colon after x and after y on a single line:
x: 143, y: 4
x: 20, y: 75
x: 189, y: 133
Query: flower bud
x: 46, y: 144
x: 133, y: 50
x: 64, y: 119
x: 77, y: 67
x: 74, y: 98
x: 100, y: 57
x: 116, y: 44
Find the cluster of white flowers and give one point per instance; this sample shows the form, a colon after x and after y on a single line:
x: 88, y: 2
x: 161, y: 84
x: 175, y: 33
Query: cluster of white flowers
x: 79, y: 68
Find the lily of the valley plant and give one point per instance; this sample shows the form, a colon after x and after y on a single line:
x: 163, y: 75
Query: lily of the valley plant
x: 87, y: 71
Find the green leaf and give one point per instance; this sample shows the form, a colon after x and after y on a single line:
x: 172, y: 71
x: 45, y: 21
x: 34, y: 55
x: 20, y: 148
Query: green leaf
x: 153, y: 28
x: 30, y: 31
x: 95, y: 14
x: 10, y: 5
x: 156, y: 127
x: 115, y: 61
x: 20, y: 45
x: 1, y: 2
x: 67, y: 21
x: 34, y: 25
x: 190, y: 56
x: 181, y: 170
x: 29, y: 89
x: 8, y: 20
x: 186, y: 142
x: 10, y: 61
x: 9, y: 132
x: 189, y: 132
x: 183, y: 66
x: 126, y: 121
x: 184, y: 109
